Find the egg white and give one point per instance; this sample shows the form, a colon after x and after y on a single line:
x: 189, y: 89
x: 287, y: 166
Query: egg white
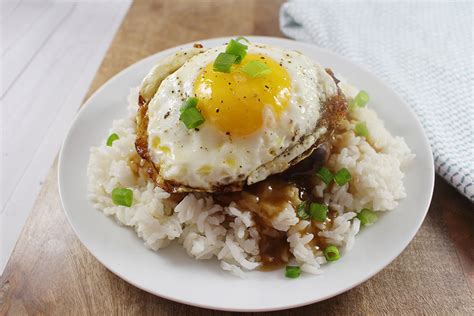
x: 209, y: 158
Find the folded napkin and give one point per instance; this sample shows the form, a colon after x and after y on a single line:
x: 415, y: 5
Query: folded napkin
x: 423, y: 50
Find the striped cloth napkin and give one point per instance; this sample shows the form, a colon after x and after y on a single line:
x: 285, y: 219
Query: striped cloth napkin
x: 423, y: 50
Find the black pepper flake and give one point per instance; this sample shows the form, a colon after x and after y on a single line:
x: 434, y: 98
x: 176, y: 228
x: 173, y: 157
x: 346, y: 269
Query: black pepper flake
x: 196, y: 129
x: 281, y: 65
x: 267, y: 87
x: 227, y: 133
x: 222, y: 101
x: 217, y: 110
x: 166, y: 115
x: 245, y: 97
x: 262, y: 57
x: 240, y: 166
x: 172, y: 91
x: 258, y: 99
x: 229, y: 83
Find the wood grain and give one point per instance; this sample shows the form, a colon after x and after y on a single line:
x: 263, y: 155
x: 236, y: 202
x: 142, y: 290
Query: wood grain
x: 51, y: 273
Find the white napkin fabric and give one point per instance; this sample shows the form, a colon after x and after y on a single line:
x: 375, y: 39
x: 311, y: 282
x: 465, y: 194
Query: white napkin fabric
x: 423, y: 50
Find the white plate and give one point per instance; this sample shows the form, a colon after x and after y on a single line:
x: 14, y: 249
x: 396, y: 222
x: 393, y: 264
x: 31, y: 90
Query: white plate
x: 171, y: 274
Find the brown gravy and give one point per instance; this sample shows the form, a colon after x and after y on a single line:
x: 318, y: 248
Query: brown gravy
x: 273, y: 247
x: 134, y: 164
x: 267, y: 198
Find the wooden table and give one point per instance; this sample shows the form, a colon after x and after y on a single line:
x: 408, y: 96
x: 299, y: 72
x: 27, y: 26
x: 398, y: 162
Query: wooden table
x: 50, y: 272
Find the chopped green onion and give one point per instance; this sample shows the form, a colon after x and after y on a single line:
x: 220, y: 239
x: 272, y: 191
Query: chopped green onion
x: 191, y: 118
x: 325, y: 174
x: 360, y: 100
x: 237, y: 49
x: 122, y: 196
x: 112, y: 138
x: 256, y: 68
x: 223, y: 62
x: 292, y: 272
x: 301, y: 211
x: 190, y: 115
x: 189, y: 103
x: 319, y: 212
x: 361, y: 129
x: 331, y: 253
x: 342, y: 177
x: 238, y: 39
x: 367, y: 217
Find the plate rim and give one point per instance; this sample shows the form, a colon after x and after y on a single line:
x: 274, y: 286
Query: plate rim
x: 168, y: 50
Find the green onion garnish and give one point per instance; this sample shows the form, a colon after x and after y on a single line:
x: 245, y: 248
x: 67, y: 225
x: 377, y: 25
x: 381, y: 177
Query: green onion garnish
x: 191, y: 118
x: 189, y: 103
x: 301, y: 211
x: 122, y: 196
x: 112, y: 138
x: 190, y: 115
x: 367, y: 217
x: 325, y: 174
x: 331, y: 253
x: 342, y: 177
x: 223, y: 62
x: 238, y: 39
x: 237, y: 49
x: 256, y: 68
x: 292, y: 272
x: 319, y: 212
x: 360, y: 100
x: 361, y: 129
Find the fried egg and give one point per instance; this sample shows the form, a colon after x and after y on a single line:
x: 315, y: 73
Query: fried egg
x: 253, y: 127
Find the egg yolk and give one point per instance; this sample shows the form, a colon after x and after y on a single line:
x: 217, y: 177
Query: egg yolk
x: 234, y: 102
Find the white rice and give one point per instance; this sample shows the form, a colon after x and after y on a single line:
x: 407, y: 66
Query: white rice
x: 196, y: 222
